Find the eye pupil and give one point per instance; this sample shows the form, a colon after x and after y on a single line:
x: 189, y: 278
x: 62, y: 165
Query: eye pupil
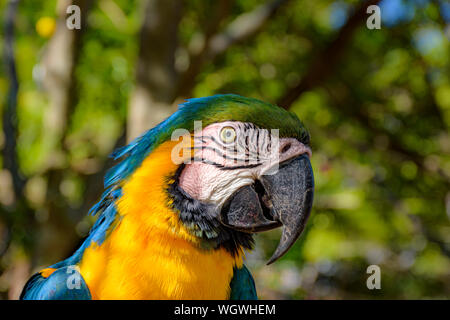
x: 228, y: 134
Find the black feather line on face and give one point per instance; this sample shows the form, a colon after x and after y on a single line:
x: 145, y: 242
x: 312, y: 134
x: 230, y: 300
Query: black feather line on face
x: 200, y: 220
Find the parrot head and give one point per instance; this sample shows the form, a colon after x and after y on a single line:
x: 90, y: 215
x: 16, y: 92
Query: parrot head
x: 242, y: 166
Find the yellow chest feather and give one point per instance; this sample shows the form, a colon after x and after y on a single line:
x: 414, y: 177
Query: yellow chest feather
x: 149, y: 254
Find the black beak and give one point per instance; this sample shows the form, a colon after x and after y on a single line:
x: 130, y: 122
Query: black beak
x: 281, y: 199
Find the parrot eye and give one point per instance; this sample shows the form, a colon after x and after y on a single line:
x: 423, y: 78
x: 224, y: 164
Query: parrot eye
x: 227, y: 134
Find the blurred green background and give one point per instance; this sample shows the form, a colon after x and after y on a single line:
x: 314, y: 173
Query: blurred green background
x: 376, y: 102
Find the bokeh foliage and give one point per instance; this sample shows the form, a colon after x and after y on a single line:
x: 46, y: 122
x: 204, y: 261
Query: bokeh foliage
x: 379, y: 118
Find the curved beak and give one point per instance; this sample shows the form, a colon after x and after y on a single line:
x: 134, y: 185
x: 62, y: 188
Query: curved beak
x: 281, y: 199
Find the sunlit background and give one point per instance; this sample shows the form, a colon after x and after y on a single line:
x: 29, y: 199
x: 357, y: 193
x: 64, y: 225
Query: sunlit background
x: 376, y: 102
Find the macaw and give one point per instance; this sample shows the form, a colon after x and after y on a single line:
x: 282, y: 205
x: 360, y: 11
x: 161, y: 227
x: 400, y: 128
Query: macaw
x: 181, y: 207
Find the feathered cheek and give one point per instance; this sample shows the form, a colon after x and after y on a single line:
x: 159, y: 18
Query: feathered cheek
x: 210, y: 184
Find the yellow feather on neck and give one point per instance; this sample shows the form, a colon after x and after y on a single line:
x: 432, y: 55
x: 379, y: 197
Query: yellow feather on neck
x: 150, y: 254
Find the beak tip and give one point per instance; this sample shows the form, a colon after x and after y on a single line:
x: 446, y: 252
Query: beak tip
x: 279, y: 252
x: 294, y: 203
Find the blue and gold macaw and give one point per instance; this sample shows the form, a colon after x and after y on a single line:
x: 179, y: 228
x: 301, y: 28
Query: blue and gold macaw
x: 181, y: 207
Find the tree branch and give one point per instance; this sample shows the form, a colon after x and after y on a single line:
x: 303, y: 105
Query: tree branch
x: 155, y: 71
x: 94, y: 183
x: 10, y: 161
x: 240, y: 29
x: 59, y: 61
x: 363, y: 119
x: 243, y: 27
x: 323, y: 65
x: 430, y: 236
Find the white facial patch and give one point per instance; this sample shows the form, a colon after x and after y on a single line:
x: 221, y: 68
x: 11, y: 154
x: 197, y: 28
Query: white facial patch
x: 230, y: 155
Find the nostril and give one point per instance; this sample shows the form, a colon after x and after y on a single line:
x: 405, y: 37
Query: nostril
x: 286, y: 147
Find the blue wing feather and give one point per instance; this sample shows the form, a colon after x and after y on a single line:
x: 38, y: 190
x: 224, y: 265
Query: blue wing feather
x: 62, y: 284
x: 242, y: 285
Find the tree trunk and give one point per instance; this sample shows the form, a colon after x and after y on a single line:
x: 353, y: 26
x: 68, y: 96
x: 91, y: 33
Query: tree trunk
x: 56, y: 234
x: 152, y: 97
